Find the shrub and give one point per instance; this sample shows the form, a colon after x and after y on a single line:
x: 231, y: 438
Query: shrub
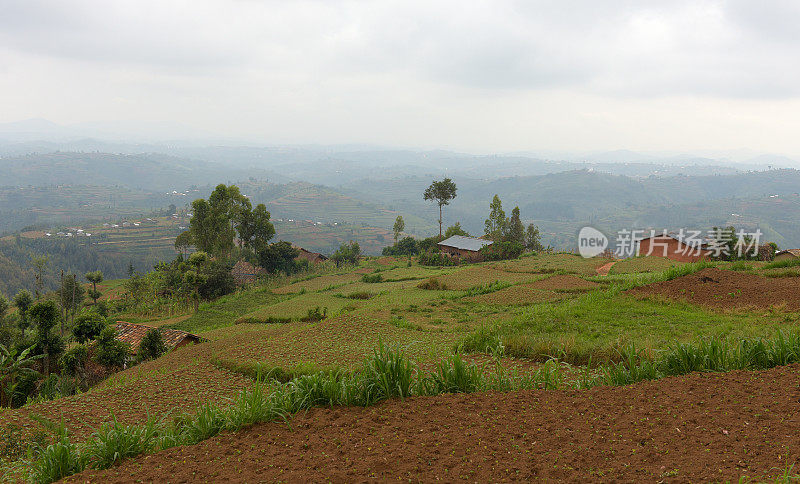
x: 406, y: 246
x: 502, y: 250
x: 88, y: 326
x: 432, y: 258
x: 73, y: 362
x: 361, y: 295
x: 372, y: 278
x: 109, y: 351
x: 432, y: 284
x: 347, y: 253
x: 453, y: 375
x: 152, y: 345
x: 315, y: 315
x: 113, y: 442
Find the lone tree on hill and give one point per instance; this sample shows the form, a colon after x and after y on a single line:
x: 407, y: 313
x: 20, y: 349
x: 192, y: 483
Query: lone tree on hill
x: 441, y: 191
x: 495, y: 225
x: 399, y: 226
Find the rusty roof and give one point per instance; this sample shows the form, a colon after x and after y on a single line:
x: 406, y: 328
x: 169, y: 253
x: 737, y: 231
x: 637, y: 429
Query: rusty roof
x: 313, y: 257
x: 133, y: 333
x: 794, y: 252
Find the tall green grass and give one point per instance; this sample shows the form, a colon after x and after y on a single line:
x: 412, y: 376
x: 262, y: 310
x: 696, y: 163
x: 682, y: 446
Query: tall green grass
x: 780, y: 264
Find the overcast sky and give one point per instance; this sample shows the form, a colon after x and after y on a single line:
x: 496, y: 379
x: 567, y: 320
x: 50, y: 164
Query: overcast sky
x: 477, y: 76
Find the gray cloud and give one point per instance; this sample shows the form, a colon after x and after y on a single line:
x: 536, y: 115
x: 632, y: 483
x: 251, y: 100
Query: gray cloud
x: 324, y: 68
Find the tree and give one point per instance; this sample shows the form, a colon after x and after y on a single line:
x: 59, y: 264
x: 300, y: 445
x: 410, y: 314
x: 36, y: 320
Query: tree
x: 137, y: 287
x: 455, y: 230
x: 215, y: 221
x: 40, y: 265
x: 442, y: 192
x: 255, y: 228
x: 278, y: 257
x: 109, y: 351
x: 347, y: 253
x: 4, y: 305
x: 152, y: 346
x: 495, y: 225
x: 23, y: 301
x: 88, y: 326
x: 44, y: 316
x: 95, y: 277
x: 399, y: 227
x: 406, y: 246
x: 183, y: 241
x: 532, y: 239
x: 515, y: 231
x: 70, y: 296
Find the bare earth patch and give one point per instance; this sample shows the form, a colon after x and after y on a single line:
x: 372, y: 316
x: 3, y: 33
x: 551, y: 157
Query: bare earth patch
x: 728, y: 290
x: 701, y: 427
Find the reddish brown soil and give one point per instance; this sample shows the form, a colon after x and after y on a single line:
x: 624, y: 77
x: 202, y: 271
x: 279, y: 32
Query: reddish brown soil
x: 701, y: 427
x: 562, y: 282
x: 603, y: 269
x: 728, y: 289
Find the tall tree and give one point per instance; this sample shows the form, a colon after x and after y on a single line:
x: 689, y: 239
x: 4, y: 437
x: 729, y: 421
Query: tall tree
x: 95, y: 277
x: 399, y: 227
x: 255, y: 228
x: 40, y: 265
x: 183, y: 241
x: 495, y: 225
x: 442, y: 192
x: 515, y: 231
x: 455, y: 229
x: 532, y: 239
x: 215, y: 221
x: 23, y: 301
x: 70, y: 296
x: 44, y: 316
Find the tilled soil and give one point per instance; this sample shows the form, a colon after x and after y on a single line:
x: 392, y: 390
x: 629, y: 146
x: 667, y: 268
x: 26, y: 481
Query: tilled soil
x: 700, y: 428
x: 728, y: 289
x: 561, y: 282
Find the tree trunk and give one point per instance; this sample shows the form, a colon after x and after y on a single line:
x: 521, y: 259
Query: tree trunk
x: 440, y: 221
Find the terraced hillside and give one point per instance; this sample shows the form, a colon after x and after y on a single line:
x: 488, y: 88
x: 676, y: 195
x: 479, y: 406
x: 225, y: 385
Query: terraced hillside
x: 548, y: 315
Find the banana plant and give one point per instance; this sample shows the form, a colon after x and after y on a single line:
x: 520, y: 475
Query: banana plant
x: 13, y: 366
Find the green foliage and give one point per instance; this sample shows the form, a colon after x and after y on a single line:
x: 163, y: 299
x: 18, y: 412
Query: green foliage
x: 4, y: 306
x: 58, y: 460
x: 73, y: 361
x: 70, y: 294
x: 406, y: 246
x: 455, y: 230
x: 515, y: 231
x: 315, y: 315
x: 502, y: 250
x: 372, y: 278
x: 279, y: 257
x: 399, y: 226
x: 436, y: 259
x: 23, y: 301
x: 113, y: 442
x: 533, y: 240
x: 495, y: 225
x: 432, y: 284
x: 347, y: 254
x: 780, y: 264
x: 87, y: 326
x: 442, y: 192
x: 453, y: 375
x: 44, y: 316
x: 109, y: 351
x: 13, y: 366
x: 152, y: 346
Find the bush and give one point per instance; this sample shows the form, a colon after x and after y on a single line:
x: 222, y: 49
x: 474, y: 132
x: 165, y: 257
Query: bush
x: 315, y: 315
x: 502, y: 250
x: 436, y: 259
x: 406, y: 246
x: 360, y: 295
x: 152, y: 346
x: 372, y: 278
x: 218, y: 281
x: 432, y: 284
x: 73, y: 362
x: 88, y: 326
x: 109, y: 351
x: 347, y: 253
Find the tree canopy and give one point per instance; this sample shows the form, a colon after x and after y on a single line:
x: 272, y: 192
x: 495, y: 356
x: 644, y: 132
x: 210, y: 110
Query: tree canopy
x: 442, y: 192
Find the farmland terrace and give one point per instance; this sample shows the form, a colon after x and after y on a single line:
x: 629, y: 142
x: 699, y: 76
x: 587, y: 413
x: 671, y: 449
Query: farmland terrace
x: 578, y: 339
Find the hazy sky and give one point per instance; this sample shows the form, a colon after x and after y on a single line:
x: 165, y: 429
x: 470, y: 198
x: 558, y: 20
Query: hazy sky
x: 470, y: 75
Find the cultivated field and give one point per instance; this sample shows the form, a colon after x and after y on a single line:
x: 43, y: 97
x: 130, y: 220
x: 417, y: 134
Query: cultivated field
x: 567, y: 336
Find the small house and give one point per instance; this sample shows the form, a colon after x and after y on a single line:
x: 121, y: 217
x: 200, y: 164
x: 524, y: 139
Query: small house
x: 789, y: 254
x: 133, y: 334
x: 467, y: 248
x: 673, y: 247
x: 246, y: 273
x: 311, y: 257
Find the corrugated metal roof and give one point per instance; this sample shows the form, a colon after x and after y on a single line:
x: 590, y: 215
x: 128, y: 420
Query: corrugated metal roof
x: 465, y: 243
x: 133, y: 333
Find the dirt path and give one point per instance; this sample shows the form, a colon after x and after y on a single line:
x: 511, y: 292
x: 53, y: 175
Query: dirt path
x: 603, y: 269
x: 699, y: 428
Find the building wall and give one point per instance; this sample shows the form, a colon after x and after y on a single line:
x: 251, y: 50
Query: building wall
x: 468, y: 255
x: 671, y: 249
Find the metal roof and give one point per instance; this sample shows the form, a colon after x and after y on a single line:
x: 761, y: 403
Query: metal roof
x: 473, y: 244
